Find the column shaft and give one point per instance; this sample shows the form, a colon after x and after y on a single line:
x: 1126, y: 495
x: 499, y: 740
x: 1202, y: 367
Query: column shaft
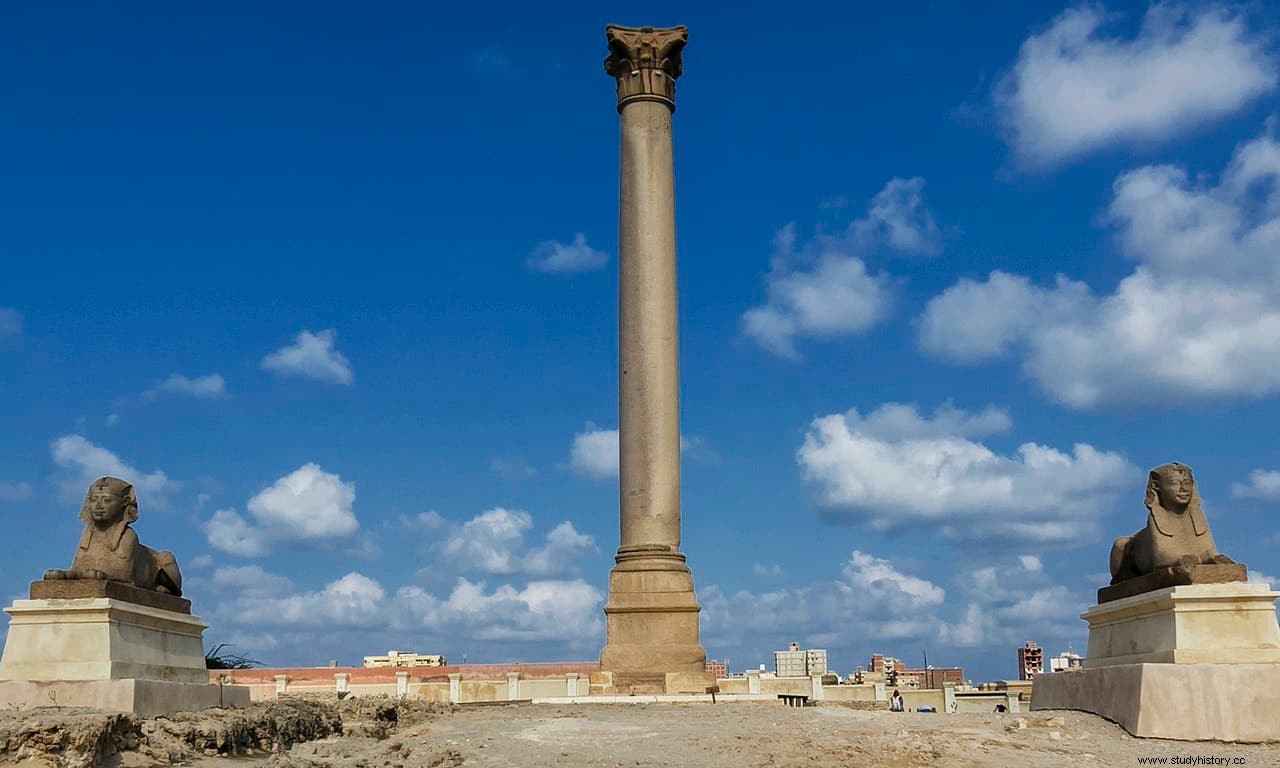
x: 648, y: 380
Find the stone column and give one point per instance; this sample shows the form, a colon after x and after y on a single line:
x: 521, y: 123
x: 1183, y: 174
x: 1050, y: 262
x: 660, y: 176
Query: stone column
x: 513, y: 686
x: 651, y: 617
x: 402, y: 684
x: 455, y: 687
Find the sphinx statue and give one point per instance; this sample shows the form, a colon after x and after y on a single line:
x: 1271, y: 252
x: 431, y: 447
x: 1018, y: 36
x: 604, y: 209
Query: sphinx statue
x: 1176, y: 533
x: 109, y: 548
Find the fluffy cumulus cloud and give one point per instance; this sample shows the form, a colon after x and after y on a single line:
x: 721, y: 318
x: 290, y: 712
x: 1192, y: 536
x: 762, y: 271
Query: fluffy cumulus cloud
x: 884, y: 605
x: 265, y: 600
x: 564, y: 611
x: 1263, y: 484
x: 211, y: 387
x: 1198, y: 317
x: 311, y: 356
x: 83, y: 462
x: 577, y: 256
x: 10, y: 322
x: 1075, y: 88
x: 493, y: 542
x: 894, y: 468
x: 594, y: 452
x: 823, y: 288
x: 260, y: 610
x: 307, y: 505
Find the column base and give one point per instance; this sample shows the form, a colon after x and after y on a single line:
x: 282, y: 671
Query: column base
x: 651, y: 625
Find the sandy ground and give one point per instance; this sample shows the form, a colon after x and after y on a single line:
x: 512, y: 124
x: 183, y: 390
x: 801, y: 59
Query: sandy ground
x: 743, y: 734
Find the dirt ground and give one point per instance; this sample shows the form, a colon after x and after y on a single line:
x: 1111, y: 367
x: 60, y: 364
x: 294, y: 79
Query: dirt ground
x: 725, y: 735
x: 754, y: 734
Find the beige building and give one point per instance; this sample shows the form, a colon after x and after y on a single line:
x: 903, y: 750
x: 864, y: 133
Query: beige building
x: 794, y: 662
x: 404, y: 659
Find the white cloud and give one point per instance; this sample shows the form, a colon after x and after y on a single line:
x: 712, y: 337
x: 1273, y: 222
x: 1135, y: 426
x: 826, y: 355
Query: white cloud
x: 354, y: 600
x: 595, y: 452
x: 1074, y: 90
x: 971, y: 321
x: 199, y: 562
x: 873, y: 600
x: 228, y: 532
x: 257, y: 608
x: 306, y: 505
x: 250, y: 579
x: 10, y: 322
x: 552, y: 256
x: 309, y: 502
x: 898, y: 219
x: 934, y: 476
x: 311, y: 356
x: 493, y: 542
x: 211, y: 387
x: 1263, y: 484
x: 567, y: 612
x: 877, y: 577
x: 19, y: 491
x: 1258, y: 577
x: 87, y: 462
x: 823, y: 289
x: 1031, y: 562
x: 1199, y: 317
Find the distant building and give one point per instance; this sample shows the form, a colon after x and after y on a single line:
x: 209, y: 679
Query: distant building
x: 1064, y: 661
x: 404, y: 659
x: 794, y: 662
x: 1030, y: 660
x: 717, y: 668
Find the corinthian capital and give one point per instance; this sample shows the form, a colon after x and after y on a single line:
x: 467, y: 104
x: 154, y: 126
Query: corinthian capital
x: 645, y: 61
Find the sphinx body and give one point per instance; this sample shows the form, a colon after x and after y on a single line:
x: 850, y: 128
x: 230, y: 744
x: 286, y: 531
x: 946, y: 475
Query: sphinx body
x: 1176, y: 532
x: 109, y: 548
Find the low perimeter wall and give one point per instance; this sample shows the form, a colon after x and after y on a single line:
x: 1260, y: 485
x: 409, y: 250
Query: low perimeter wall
x: 493, y: 683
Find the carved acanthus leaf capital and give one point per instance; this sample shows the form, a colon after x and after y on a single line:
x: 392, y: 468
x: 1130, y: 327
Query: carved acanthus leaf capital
x: 645, y: 61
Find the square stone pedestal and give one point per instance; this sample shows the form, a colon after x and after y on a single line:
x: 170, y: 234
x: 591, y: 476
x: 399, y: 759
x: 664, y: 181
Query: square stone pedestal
x: 651, y: 628
x: 1193, y: 662
x: 107, y: 653
x: 1189, y: 624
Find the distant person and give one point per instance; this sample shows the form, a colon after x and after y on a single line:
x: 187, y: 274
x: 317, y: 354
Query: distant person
x: 895, y: 703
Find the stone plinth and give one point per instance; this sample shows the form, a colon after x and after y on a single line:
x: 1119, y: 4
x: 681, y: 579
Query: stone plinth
x: 1188, y: 702
x: 69, y: 589
x: 1175, y: 576
x: 107, y: 653
x: 1197, y: 623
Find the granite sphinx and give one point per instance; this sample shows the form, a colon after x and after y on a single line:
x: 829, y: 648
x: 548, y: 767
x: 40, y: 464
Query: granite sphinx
x: 109, y: 549
x: 1175, y: 547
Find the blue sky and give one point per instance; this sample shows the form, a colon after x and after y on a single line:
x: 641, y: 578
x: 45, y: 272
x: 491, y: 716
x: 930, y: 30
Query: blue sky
x: 336, y: 290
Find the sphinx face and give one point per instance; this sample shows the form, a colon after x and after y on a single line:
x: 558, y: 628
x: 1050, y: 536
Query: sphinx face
x: 1174, y: 486
x: 105, y: 507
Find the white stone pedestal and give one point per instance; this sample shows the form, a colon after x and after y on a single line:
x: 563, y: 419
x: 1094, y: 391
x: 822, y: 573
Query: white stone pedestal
x: 1194, y: 662
x: 107, y: 653
x: 1198, y: 623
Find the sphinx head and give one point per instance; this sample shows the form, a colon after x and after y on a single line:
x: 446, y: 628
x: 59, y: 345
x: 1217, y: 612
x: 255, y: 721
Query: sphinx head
x: 108, y: 501
x: 1171, y: 487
